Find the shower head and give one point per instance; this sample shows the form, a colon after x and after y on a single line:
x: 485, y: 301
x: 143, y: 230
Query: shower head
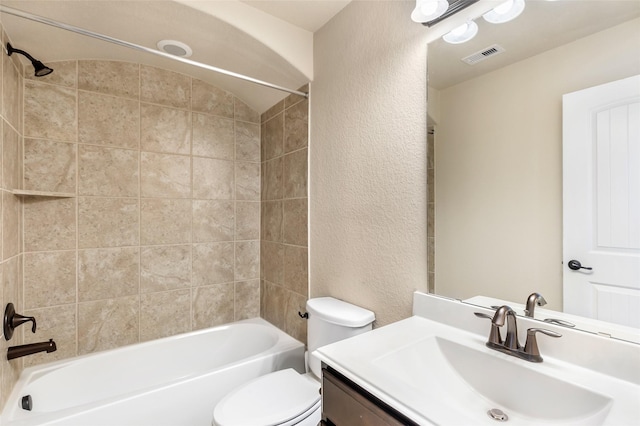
x: 40, y: 69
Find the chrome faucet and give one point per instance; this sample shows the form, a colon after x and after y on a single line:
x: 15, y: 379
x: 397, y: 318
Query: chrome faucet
x: 533, y: 300
x: 511, y: 345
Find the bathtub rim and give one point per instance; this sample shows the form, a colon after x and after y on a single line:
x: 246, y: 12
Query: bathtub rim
x: 282, y: 339
x: 283, y: 344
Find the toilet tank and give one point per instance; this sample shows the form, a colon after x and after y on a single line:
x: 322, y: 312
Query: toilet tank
x: 331, y: 320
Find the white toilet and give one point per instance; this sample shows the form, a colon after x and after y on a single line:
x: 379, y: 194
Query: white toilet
x: 287, y: 397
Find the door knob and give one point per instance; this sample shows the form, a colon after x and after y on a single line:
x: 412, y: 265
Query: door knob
x: 576, y: 265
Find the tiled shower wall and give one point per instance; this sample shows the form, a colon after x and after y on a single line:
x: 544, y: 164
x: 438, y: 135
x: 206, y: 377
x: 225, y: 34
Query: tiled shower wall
x: 284, y: 253
x: 161, y: 233
x: 155, y: 225
x: 11, y: 220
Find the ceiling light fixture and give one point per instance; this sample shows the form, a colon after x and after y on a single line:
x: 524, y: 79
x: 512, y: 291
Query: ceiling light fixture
x: 505, y: 12
x: 461, y: 34
x: 428, y: 10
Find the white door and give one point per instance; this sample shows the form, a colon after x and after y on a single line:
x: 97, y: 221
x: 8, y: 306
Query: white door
x: 601, y: 202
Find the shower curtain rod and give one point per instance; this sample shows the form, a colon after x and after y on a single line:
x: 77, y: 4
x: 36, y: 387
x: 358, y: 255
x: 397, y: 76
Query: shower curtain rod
x: 82, y: 31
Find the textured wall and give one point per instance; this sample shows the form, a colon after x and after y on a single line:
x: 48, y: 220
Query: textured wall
x: 284, y: 253
x: 161, y: 235
x: 368, y: 159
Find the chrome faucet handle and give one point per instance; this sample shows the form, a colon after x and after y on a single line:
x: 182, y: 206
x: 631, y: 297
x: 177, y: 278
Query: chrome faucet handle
x: 494, y: 335
x: 531, y: 345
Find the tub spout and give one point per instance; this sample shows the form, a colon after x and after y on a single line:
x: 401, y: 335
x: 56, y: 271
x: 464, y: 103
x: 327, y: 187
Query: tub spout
x: 30, y: 349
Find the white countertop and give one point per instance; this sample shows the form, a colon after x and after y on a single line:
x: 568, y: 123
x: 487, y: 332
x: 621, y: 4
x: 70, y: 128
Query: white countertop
x: 368, y: 359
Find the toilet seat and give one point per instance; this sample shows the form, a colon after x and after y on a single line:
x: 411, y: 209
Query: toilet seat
x: 281, y: 398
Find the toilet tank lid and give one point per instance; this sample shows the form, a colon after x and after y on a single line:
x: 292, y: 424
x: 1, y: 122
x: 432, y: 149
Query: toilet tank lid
x: 338, y: 312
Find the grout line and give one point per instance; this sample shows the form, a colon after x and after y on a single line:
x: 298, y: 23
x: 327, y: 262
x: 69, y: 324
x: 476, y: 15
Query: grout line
x: 77, y: 211
x: 192, y: 290
x: 139, y: 201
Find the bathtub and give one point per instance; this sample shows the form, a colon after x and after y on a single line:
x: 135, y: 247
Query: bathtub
x: 172, y: 381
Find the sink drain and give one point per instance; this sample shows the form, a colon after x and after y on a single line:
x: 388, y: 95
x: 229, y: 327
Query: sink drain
x: 498, y: 415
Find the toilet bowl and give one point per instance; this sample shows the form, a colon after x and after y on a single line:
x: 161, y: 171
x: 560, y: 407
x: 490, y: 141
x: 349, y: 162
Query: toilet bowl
x: 287, y: 397
x: 282, y: 398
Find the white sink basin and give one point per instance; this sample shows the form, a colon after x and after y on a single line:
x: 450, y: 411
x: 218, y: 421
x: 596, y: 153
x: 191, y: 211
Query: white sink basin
x: 474, y: 381
x: 439, y: 374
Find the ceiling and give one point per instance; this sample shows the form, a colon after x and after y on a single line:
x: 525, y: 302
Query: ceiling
x: 542, y: 26
x: 239, y: 47
x: 215, y: 41
x: 310, y: 15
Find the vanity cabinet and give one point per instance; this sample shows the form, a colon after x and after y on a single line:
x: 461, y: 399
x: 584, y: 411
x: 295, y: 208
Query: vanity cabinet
x: 344, y: 403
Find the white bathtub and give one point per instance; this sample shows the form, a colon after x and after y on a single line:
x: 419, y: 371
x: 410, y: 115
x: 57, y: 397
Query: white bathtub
x: 172, y: 381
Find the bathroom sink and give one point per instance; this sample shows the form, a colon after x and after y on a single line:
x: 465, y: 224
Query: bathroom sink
x: 435, y: 373
x: 477, y: 381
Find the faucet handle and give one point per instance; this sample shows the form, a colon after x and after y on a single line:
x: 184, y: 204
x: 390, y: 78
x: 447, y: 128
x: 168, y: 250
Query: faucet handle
x: 531, y: 345
x: 21, y: 319
x: 494, y: 335
x: 13, y: 320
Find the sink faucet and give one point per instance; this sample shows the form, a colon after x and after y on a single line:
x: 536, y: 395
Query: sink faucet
x: 505, y: 312
x: 533, y: 300
x: 511, y: 345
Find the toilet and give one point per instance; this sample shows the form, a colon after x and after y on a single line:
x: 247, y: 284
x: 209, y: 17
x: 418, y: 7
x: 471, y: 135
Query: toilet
x: 287, y: 397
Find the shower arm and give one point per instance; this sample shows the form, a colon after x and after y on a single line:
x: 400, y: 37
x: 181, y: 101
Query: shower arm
x: 88, y: 33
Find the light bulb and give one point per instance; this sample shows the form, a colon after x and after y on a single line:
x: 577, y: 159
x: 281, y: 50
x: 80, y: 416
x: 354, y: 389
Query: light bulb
x: 428, y: 7
x: 504, y: 7
x: 461, y: 34
x: 428, y: 10
x: 504, y: 12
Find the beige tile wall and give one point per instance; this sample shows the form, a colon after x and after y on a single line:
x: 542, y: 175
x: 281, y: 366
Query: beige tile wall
x: 284, y: 253
x: 162, y: 233
x: 11, y: 259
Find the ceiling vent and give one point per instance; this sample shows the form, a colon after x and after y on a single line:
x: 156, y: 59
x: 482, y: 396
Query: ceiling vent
x: 175, y: 48
x: 483, y: 54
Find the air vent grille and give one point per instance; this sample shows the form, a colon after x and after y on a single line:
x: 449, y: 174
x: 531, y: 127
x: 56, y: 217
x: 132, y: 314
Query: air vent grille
x: 483, y: 54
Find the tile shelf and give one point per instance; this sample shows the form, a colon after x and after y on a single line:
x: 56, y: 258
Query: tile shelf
x: 28, y: 193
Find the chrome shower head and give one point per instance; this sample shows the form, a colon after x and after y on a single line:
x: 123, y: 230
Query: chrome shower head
x: 40, y: 69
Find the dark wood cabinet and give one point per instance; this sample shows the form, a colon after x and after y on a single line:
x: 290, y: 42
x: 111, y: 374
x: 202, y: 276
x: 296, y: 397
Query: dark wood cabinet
x: 344, y: 403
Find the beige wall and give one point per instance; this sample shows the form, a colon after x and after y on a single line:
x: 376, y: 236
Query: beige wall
x: 284, y: 230
x: 11, y: 219
x: 499, y: 168
x: 368, y: 159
